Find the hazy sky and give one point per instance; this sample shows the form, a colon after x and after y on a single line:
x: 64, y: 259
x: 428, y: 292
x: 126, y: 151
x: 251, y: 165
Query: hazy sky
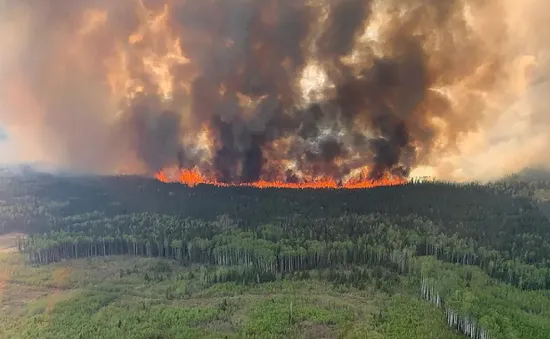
x: 6, y: 151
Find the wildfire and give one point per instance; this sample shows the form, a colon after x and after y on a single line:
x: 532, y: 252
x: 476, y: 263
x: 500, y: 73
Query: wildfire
x: 193, y: 177
x: 288, y: 94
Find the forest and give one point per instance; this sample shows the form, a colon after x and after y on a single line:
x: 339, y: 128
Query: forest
x: 475, y: 255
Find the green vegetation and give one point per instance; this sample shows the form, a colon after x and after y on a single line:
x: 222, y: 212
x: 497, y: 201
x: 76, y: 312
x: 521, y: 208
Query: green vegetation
x: 111, y: 298
x: 134, y: 258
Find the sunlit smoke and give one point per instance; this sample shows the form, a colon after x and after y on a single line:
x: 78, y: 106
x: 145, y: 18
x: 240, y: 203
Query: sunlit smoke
x: 286, y: 93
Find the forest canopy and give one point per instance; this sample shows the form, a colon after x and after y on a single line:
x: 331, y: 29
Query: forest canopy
x: 374, y: 237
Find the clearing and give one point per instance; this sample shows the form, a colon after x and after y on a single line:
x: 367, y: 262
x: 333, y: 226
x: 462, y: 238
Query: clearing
x: 128, y: 297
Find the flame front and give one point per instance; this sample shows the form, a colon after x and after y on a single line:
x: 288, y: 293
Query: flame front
x: 271, y: 93
x: 193, y: 177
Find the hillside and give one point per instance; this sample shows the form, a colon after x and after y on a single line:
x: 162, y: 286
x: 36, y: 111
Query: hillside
x: 479, y: 256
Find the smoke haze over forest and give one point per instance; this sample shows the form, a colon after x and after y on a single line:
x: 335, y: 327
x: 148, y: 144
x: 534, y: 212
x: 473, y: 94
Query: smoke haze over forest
x: 286, y: 90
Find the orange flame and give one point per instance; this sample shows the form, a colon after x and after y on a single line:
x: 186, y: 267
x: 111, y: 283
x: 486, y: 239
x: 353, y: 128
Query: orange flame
x: 161, y: 176
x: 193, y: 177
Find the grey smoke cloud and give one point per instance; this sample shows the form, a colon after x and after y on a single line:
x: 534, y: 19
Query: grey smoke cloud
x: 402, y: 87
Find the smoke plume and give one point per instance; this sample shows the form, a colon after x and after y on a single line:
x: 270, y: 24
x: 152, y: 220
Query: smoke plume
x: 278, y: 90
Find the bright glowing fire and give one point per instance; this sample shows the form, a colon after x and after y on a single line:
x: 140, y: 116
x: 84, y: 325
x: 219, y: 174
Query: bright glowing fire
x: 193, y: 177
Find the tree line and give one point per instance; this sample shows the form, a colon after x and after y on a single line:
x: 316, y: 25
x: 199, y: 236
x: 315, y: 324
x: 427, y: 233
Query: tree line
x: 254, y: 236
x: 284, y: 246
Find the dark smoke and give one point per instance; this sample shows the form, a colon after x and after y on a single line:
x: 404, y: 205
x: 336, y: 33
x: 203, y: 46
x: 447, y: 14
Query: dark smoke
x: 156, y: 134
x: 377, y: 111
x: 253, y: 66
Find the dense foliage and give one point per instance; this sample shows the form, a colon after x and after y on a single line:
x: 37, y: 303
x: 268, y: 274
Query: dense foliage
x: 356, y: 237
x: 143, y: 298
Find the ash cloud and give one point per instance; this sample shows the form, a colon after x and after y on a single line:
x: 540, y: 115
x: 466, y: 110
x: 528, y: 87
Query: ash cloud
x: 398, y: 87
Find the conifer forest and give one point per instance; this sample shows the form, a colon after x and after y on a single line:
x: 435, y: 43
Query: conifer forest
x: 131, y: 257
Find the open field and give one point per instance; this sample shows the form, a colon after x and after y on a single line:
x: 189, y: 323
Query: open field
x: 112, y: 298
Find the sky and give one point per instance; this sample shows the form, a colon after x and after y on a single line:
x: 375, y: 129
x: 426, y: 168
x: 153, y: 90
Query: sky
x: 6, y: 150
